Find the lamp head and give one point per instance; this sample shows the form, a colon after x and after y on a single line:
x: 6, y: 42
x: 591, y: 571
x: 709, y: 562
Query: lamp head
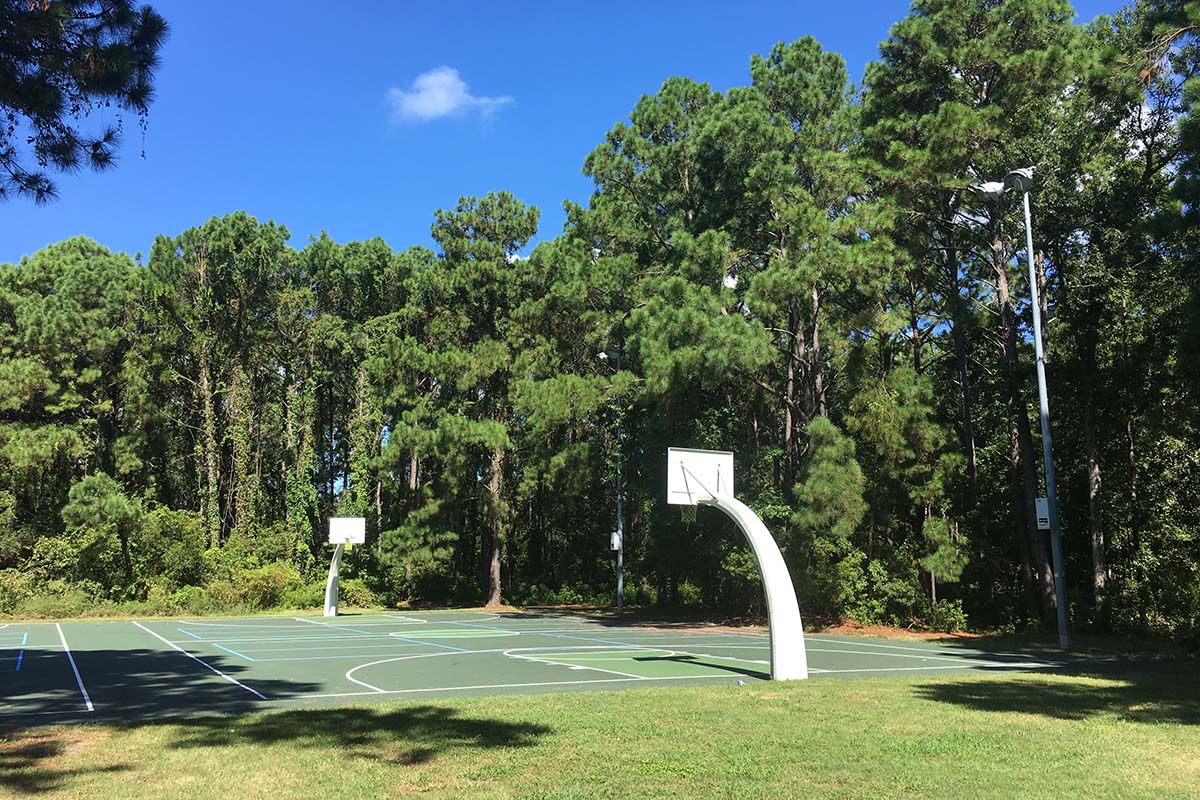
x: 1019, y: 179
x: 989, y: 190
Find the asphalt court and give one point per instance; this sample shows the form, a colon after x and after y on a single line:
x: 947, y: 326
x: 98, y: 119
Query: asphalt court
x: 154, y: 667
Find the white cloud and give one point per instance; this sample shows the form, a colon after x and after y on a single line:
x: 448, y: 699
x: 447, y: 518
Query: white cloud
x: 440, y: 92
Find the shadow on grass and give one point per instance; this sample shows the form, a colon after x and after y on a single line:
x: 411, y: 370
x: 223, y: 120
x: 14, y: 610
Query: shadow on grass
x: 144, y: 688
x: 1151, y: 692
x: 23, y: 769
x: 408, y: 735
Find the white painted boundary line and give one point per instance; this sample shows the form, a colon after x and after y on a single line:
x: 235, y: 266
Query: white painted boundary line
x: 979, y: 665
x: 537, y: 660
x: 87, y: 700
x: 208, y: 666
x: 943, y: 649
x: 377, y: 690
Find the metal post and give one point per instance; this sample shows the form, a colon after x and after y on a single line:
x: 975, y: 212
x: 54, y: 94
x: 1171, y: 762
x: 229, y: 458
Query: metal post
x: 620, y: 515
x: 1056, y: 551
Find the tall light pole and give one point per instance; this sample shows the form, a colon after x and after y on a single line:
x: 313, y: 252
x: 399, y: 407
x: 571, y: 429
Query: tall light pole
x: 1021, y: 180
x: 603, y: 356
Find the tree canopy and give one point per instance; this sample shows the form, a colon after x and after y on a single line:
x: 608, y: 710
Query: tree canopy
x: 795, y: 269
x: 59, y: 62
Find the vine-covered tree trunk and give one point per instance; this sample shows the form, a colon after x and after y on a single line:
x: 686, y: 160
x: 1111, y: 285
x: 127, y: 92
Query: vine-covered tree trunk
x: 496, y: 518
x: 210, y: 498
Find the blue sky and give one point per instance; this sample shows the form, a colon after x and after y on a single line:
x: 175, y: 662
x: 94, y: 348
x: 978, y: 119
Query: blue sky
x: 361, y: 119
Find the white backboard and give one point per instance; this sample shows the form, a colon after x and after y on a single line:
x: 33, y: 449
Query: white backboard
x: 347, y: 530
x: 697, y: 474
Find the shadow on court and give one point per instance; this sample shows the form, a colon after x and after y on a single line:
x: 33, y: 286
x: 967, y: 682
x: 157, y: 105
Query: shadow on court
x: 138, y: 684
x: 1151, y: 692
x: 708, y: 663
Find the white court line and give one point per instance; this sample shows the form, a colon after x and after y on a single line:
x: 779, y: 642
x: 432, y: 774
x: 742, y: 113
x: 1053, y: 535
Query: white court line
x: 87, y: 700
x: 50, y: 647
x: 483, y: 616
x: 208, y: 666
x: 350, y: 673
x: 394, y: 644
x: 327, y: 637
x: 976, y: 665
x: 935, y: 648
x: 893, y: 655
x: 625, y: 655
x: 536, y: 660
x: 336, y: 635
x: 514, y: 685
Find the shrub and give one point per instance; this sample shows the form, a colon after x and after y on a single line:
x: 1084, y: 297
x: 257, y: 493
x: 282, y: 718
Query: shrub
x: 258, y: 588
x: 310, y: 595
x: 948, y: 616
x: 192, y: 600
x: 61, y: 602
x: 171, y: 544
x: 689, y: 594
x: 15, y: 586
x: 643, y: 594
x: 353, y: 592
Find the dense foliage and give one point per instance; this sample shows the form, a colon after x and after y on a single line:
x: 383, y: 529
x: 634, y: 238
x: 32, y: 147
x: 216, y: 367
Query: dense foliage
x: 793, y: 270
x: 59, y: 62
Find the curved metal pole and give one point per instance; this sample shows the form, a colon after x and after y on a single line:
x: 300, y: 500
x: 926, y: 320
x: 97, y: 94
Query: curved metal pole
x: 331, y: 585
x: 789, y: 661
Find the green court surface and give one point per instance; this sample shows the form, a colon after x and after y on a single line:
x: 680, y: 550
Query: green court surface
x: 155, y: 667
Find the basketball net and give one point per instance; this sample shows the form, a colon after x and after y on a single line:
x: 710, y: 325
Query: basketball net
x: 687, y: 514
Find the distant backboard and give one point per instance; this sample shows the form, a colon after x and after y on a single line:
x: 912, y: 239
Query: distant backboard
x: 347, y: 530
x: 697, y: 474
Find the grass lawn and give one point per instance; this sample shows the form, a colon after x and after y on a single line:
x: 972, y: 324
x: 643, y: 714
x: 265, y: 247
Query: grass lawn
x: 1128, y: 734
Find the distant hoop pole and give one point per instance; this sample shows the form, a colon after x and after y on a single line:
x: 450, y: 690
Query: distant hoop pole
x: 343, y: 531
x: 331, y: 584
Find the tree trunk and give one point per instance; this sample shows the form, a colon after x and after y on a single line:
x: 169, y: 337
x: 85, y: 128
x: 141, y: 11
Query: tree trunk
x: 789, y: 409
x: 818, y: 381
x: 965, y: 404
x: 1095, y: 512
x: 960, y: 359
x: 208, y: 506
x: 496, y: 514
x: 1023, y: 453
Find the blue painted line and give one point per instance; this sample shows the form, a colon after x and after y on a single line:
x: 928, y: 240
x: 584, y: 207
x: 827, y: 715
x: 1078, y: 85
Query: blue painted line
x: 189, y: 633
x: 433, y: 644
x: 20, y: 655
x: 235, y: 652
x: 24, y: 638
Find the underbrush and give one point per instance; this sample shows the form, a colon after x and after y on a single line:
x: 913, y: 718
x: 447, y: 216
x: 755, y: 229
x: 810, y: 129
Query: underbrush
x: 277, y: 586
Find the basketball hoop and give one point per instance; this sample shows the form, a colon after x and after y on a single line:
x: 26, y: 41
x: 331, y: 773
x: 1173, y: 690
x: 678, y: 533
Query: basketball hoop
x: 687, y: 514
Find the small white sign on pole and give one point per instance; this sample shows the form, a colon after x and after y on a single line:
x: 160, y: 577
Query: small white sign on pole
x: 614, y: 540
x: 1043, y: 514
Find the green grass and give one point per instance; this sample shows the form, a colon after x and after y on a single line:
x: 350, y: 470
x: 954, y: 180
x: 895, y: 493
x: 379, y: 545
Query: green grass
x: 1126, y: 735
